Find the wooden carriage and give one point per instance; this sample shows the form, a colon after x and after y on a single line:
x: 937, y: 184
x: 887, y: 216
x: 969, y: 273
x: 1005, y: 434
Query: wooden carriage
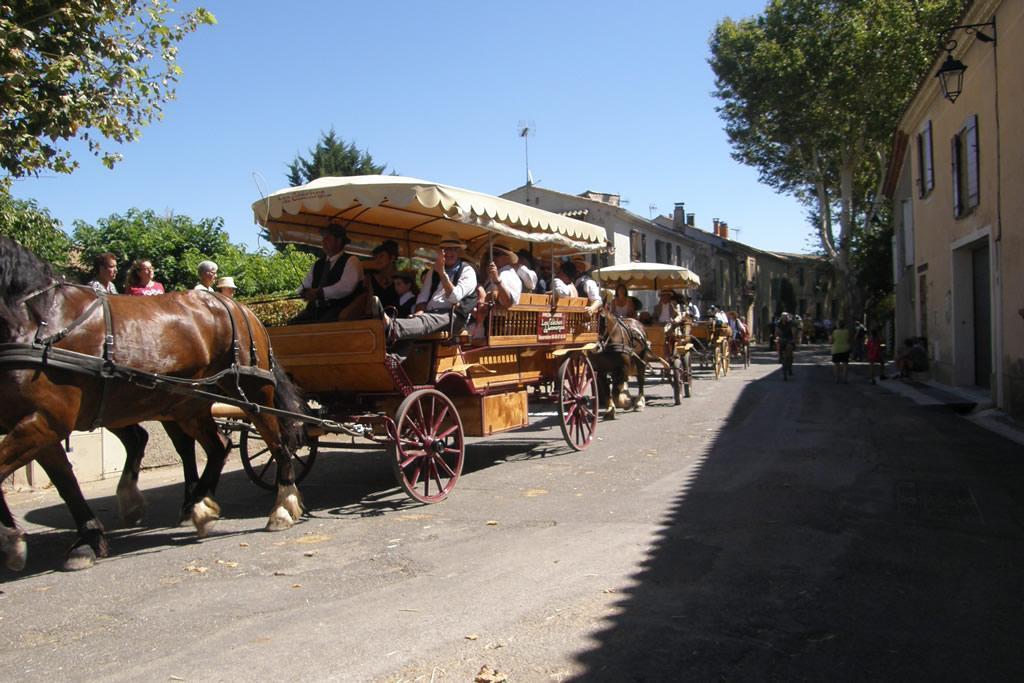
x: 421, y: 406
x: 711, y: 345
x: 658, y: 276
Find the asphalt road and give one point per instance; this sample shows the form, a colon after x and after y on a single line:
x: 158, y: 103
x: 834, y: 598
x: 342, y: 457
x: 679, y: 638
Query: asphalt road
x: 763, y: 530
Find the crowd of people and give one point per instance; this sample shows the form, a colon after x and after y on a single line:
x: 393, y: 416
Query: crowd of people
x: 140, y: 280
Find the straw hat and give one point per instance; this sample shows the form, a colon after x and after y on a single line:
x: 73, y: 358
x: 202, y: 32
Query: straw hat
x: 452, y: 241
x: 228, y: 282
x: 513, y: 256
x: 581, y: 263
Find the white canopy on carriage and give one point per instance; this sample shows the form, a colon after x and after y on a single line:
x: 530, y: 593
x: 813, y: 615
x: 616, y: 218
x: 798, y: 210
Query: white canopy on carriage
x: 417, y: 213
x: 647, y: 276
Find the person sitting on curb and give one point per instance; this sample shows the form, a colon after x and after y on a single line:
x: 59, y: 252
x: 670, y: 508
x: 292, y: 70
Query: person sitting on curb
x: 447, y: 296
x: 333, y: 282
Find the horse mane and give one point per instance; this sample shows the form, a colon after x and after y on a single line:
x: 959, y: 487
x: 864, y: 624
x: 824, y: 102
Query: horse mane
x: 21, y: 272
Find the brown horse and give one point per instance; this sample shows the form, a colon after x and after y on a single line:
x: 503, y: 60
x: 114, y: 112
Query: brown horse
x: 624, y: 344
x: 72, y: 359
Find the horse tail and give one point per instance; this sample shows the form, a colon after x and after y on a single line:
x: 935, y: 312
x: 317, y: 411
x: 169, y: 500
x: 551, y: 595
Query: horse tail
x: 287, y: 397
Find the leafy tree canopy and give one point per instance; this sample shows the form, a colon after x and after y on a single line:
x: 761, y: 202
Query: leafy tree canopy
x: 36, y: 229
x: 332, y: 156
x: 811, y: 91
x: 85, y: 69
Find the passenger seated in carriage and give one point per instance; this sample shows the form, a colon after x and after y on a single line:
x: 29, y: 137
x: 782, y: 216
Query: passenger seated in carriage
x: 622, y: 305
x: 380, y: 272
x: 504, y: 286
x: 667, y: 310
x: 447, y: 297
x: 333, y: 282
x: 526, y: 272
x: 586, y: 285
x: 405, y: 290
x: 562, y: 284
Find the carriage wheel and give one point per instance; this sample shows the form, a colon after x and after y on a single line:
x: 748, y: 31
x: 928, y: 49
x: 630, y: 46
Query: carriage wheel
x: 577, y: 401
x: 259, y: 464
x: 430, y: 446
x: 726, y: 358
x: 675, y: 375
x: 746, y: 355
x: 717, y: 361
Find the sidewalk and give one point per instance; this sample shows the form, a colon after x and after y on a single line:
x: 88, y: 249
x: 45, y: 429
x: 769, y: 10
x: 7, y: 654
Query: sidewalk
x: 973, y: 404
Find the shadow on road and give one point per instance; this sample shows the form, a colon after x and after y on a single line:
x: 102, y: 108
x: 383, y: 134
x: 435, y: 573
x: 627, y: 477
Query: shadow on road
x: 831, y: 532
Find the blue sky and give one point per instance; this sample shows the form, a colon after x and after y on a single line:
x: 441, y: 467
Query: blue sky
x: 620, y: 94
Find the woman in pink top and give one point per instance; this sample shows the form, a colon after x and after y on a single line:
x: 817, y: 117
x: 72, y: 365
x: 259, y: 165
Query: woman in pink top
x: 140, y: 279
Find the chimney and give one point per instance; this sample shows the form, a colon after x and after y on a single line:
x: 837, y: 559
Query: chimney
x: 715, y: 221
x: 691, y: 220
x: 723, y: 230
x: 679, y: 215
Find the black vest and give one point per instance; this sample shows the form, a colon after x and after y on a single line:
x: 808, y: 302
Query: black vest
x: 332, y: 276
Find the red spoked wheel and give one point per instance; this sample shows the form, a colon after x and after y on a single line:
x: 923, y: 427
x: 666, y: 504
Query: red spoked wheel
x: 429, y: 446
x: 577, y: 401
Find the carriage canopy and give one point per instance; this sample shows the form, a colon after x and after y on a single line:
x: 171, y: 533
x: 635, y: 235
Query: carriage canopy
x: 417, y: 213
x: 647, y: 276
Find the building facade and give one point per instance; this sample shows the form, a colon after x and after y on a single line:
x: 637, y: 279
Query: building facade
x: 958, y: 211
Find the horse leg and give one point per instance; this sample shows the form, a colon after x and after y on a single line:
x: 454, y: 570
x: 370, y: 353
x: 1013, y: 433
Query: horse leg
x: 185, y: 446
x: 288, y: 506
x: 620, y: 384
x: 91, y: 542
x: 12, y: 539
x: 641, y: 368
x: 200, y: 505
x: 130, y: 503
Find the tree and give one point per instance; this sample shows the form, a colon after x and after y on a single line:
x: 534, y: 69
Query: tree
x: 331, y: 156
x: 811, y: 91
x: 85, y: 69
x: 34, y: 228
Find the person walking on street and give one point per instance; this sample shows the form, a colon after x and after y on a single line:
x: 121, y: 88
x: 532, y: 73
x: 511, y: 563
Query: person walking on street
x: 840, y: 339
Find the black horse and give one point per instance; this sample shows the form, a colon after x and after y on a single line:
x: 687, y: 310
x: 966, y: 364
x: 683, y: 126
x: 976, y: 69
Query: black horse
x: 67, y: 358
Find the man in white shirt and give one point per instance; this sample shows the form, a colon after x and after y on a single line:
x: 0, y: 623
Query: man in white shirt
x: 586, y: 285
x: 504, y: 285
x: 691, y: 309
x: 449, y: 290
x: 562, y: 282
x: 332, y: 282
x: 207, y: 271
x: 527, y: 274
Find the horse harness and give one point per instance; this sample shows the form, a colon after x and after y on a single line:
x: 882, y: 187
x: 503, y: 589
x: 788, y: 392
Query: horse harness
x: 43, y: 353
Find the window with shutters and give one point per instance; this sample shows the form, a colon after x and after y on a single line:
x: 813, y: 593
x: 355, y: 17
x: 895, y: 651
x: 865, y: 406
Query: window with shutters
x: 966, y: 185
x: 925, y: 164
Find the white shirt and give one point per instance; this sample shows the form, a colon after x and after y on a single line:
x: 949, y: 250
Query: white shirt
x: 203, y: 288
x: 441, y: 301
x: 348, y: 282
x: 507, y: 276
x: 564, y: 288
x: 666, y: 313
x: 693, y: 311
x: 721, y: 317
x: 528, y: 276
x: 587, y: 287
x: 109, y: 289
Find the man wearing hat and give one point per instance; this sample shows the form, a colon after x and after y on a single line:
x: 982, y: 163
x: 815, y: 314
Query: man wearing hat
x: 527, y: 274
x: 503, y: 283
x: 449, y: 289
x: 586, y: 285
x: 333, y: 281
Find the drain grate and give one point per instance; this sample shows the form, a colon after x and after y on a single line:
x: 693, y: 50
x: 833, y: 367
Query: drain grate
x: 937, y: 500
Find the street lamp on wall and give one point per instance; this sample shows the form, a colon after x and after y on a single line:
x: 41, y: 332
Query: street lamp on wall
x: 951, y: 73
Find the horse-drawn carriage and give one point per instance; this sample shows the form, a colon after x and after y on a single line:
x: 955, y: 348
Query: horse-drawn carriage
x: 446, y: 386
x: 669, y: 341
x: 710, y: 340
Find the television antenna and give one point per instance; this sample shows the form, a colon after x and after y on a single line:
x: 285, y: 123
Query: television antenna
x: 651, y: 208
x: 525, y: 129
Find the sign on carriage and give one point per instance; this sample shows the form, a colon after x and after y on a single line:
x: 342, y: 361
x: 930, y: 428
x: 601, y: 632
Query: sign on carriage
x: 551, y: 327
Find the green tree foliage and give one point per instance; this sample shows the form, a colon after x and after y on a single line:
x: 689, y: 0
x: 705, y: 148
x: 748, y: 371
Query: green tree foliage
x: 85, y: 69
x: 331, y: 156
x: 33, y: 227
x: 176, y: 244
x: 811, y: 91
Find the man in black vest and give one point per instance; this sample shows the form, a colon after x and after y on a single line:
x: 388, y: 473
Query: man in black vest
x: 449, y: 291
x: 333, y: 281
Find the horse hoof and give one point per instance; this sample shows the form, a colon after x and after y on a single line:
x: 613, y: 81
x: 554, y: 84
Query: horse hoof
x: 204, y: 514
x: 14, y: 548
x: 279, y: 520
x: 80, y: 557
x: 130, y: 504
